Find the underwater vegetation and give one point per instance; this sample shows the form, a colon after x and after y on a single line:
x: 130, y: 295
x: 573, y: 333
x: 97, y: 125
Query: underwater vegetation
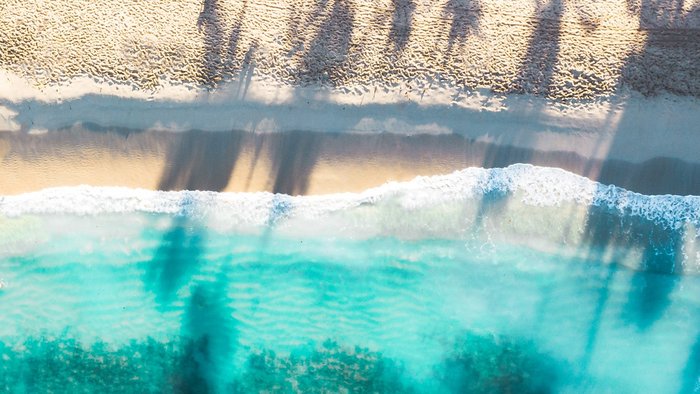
x: 477, y: 364
x: 65, y: 366
x: 329, y: 368
x: 495, y: 364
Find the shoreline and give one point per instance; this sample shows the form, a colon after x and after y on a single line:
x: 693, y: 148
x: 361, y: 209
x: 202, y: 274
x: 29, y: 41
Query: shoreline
x: 295, y: 163
x: 314, y: 140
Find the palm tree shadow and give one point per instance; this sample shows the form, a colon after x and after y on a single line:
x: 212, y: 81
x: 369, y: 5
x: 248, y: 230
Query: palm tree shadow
x: 658, y: 271
x: 220, y: 48
x: 245, y: 76
x: 661, y: 260
x: 651, y: 288
x: 538, y: 66
x: 201, y: 161
x: 235, y: 36
x: 667, y: 60
x: 494, y: 202
x: 691, y: 373
x: 177, y: 258
x: 294, y: 156
x: 300, y: 21
x: 402, y: 20
x: 210, y: 21
x: 209, y: 338
x: 465, y: 15
x: 327, y: 52
x: 208, y: 330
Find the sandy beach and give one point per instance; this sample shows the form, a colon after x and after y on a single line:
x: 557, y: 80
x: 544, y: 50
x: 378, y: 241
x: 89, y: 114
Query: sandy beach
x: 559, y: 49
x: 305, y: 98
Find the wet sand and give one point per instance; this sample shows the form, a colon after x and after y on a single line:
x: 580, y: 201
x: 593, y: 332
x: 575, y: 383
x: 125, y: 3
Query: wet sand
x: 294, y: 163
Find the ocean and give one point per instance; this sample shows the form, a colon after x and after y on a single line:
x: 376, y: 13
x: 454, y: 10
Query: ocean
x: 517, y: 280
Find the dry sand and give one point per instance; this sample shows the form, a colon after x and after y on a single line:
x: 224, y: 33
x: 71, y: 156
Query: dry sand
x: 560, y: 49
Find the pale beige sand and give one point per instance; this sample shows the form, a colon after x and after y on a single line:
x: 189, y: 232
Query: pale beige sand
x: 556, y: 48
x: 292, y: 163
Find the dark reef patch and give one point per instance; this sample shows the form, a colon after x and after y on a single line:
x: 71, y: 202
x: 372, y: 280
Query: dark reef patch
x: 494, y: 364
x: 476, y: 364
x: 324, y: 369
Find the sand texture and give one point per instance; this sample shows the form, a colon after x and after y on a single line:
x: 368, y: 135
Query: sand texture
x: 558, y: 49
x: 309, y: 97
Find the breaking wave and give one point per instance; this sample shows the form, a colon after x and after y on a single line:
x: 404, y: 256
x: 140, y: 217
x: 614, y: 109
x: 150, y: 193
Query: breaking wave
x: 535, y: 186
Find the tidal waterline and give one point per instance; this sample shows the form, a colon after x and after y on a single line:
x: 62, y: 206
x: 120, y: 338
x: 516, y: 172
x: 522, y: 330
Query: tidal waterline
x: 442, y: 295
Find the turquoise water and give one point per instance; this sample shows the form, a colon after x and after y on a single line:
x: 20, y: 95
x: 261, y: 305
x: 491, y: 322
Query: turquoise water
x: 143, y: 302
x: 515, y: 280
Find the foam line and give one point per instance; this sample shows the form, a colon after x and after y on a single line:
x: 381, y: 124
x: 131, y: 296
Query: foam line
x: 537, y: 186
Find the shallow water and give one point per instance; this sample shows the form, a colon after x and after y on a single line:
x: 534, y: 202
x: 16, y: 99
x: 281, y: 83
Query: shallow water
x: 515, y: 280
x: 153, y: 302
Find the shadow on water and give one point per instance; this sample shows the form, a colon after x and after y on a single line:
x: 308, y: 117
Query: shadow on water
x: 660, y: 266
x: 209, y: 333
x: 691, y: 373
x: 658, y: 249
x: 494, y: 202
x: 201, y: 161
x: 602, y: 230
x: 498, y: 156
x: 651, y: 288
x: 655, y: 277
x: 177, y: 258
x: 402, y: 19
x: 668, y: 176
x: 293, y: 156
x: 491, y: 204
x: 594, y: 328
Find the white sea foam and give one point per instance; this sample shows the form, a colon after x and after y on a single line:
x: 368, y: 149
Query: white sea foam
x: 535, y: 186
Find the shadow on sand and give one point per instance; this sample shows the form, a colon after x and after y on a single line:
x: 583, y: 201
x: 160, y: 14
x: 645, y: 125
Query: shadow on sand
x: 464, y: 15
x: 201, y: 161
x: 328, y: 50
x: 538, y: 66
x: 401, y: 22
